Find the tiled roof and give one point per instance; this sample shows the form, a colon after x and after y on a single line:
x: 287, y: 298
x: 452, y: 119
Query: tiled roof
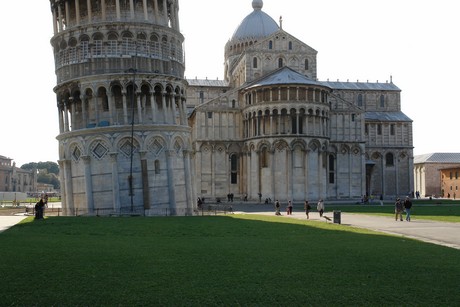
x: 207, y: 83
x: 361, y: 86
x: 438, y: 157
x: 387, y: 116
x: 284, y: 75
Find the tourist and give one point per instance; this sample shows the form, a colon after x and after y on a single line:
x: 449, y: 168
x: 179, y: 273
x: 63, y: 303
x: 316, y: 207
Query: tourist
x: 407, y: 207
x: 320, y: 207
x: 307, y: 208
x: 289, y: 208
x: 39, y: 209
x: 277, y: 208
x: 398, y: 210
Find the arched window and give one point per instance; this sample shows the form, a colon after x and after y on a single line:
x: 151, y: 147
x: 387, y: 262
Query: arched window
x: 270, y: 45
x: 331, y: 169
x: 157, y: 166
x: 290, y: 45
x: 233, y: 169
x: 264, y: 157
x: 389, y: 159
x: 280, y: 63
x: 254, y: 63
x: 306, y: 64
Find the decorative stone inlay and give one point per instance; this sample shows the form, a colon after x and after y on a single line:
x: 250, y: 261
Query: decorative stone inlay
x: 156, y: 147
x: 99, y: 150
x: 125, y: 148
x: 76, y: 154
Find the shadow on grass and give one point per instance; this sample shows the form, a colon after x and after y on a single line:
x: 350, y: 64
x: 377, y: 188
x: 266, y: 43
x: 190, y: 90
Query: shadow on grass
x: 221, y: 260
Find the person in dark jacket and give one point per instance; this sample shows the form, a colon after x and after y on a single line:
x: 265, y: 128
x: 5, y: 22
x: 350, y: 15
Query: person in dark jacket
x: 39, y: 209
x: 398, y: 209
x: 407, y: 207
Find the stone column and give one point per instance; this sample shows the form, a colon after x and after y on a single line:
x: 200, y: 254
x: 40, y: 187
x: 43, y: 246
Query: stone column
x: 297, y: 121
x: 172, y: 192
x: 104, y: 10
x: 72, y: 125
x: 173, y: 109
x: 66, y: 117
x: 144, y: 4
x: 115, y: 182
x: 61, y: 28
x: 117, y: 4
x: 153, y: 105
x: 165, y: 12
x: 61, y: 118
x: 290, y: 173
x: 125, y: 108
x: 188, y: 183
x: 306, y: 172
x: 248, y: 173
x: 88, y: 184
x: 55, y: 22
x: 139, y: 108
x: 272, y: 173
x: 84, y: 111
x: 90, y: 12
x: 67, y: 14
x: 62, y: 178
x: 131, y: 8
x: 165, y: 112
x: 77, y: 11
x: 111, y: 108
x: 96, y: 108
x: 69, y: 205
x: 156, y: 11
x: 145, y: 180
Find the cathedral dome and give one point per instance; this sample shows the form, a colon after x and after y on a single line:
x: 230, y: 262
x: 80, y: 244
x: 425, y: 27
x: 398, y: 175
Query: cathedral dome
x: 256, y: 25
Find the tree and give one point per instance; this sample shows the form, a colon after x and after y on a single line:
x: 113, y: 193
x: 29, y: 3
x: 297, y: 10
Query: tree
x: 48, y: 172
x: 51, y: 167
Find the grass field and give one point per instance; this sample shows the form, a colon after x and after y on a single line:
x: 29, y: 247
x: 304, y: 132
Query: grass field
x: 233, y: 260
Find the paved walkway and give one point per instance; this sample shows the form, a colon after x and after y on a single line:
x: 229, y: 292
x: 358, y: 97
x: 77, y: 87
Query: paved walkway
x: 446, y: 234
x: 9, y: 221
x: 441, y: 233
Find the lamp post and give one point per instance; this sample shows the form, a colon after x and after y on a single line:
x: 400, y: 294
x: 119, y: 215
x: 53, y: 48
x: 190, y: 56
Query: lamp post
x: 130, y: 178
x: 132, y: 70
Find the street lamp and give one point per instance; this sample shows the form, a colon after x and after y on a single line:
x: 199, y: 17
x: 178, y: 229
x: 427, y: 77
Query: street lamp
x: 133, y: 71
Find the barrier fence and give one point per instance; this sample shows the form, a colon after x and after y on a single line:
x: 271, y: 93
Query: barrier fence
x: 51, y: 210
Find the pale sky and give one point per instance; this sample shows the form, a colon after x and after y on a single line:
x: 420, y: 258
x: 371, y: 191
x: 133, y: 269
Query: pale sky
x: 415, y: 42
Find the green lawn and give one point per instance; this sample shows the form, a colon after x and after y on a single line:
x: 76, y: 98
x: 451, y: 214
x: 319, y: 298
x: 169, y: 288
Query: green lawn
x: 233, y: 260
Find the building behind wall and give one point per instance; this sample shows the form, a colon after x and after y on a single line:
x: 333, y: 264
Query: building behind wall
x: 434, y: 173
x: 271, y: 127
x: 15, y: 179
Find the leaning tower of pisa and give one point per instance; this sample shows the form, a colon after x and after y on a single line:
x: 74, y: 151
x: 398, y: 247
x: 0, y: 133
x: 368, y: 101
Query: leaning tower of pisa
x: 124, y: 140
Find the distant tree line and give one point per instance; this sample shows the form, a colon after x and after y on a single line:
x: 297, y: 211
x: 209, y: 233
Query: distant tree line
x: 48, y: 172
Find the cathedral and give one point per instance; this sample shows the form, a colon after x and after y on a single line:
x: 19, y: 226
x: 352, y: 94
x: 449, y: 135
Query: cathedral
x: 271, y: 128
x: 136, y: 137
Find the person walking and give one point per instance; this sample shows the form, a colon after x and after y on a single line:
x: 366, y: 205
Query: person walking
x: 398, y: 209
x: 320, y: 207
x: 307, y: 208
x: 277, y: 208
x: 289, y: 208
x: 407, y: 207
x: 381, y: 199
